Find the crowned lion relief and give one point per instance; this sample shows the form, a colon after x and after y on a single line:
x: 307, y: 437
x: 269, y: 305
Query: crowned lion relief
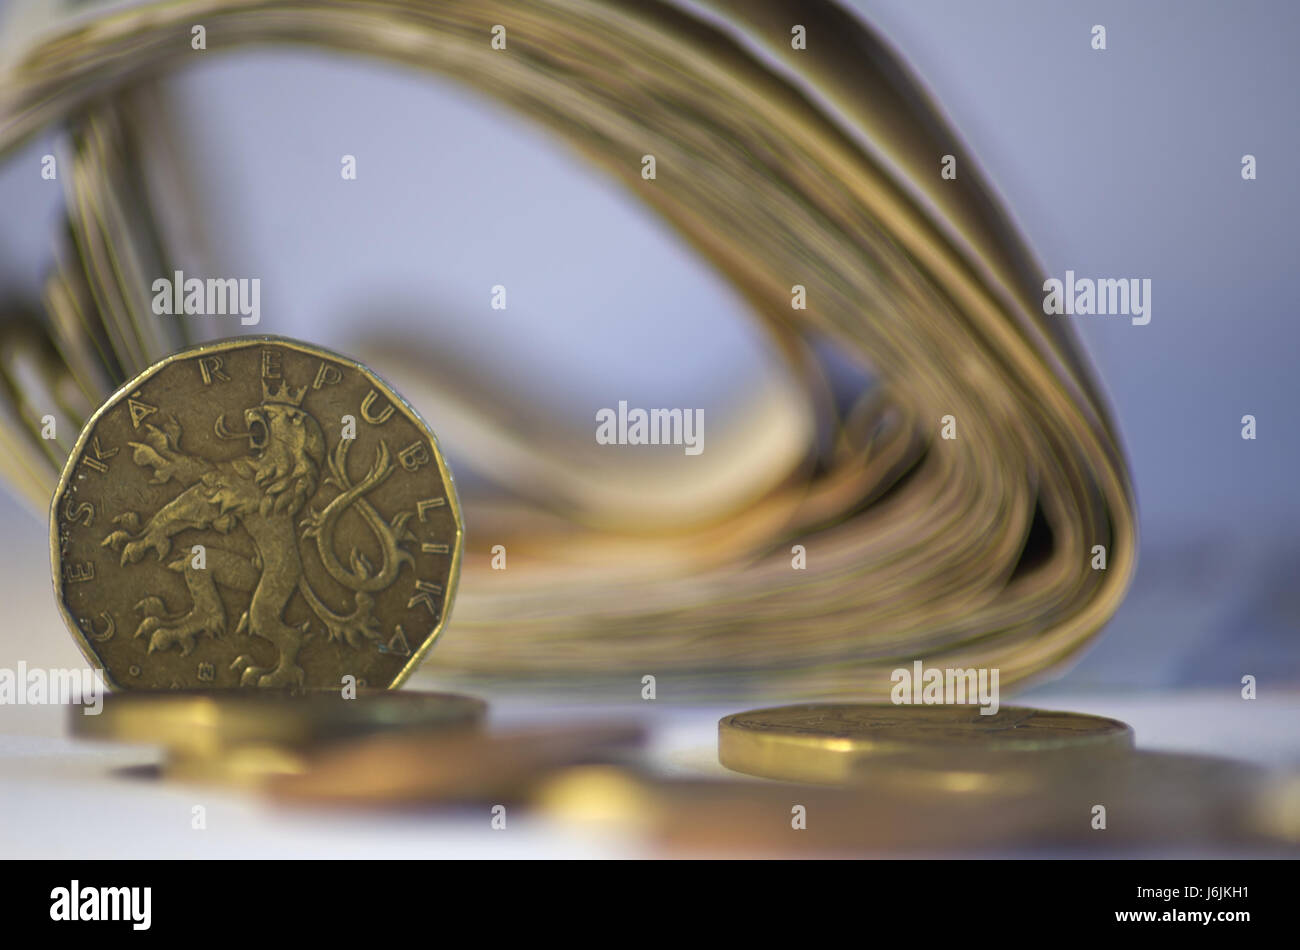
x: 267, y: 494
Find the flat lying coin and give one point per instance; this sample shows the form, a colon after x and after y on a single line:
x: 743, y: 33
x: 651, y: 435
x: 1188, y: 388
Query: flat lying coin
x: 1275, y: 809
x: 1147, y: 798
x: 735, y: 817
x: 255, y: 512
x: 210, y: 723
x: 411, y: 769
x: 1061, y: 797
x: 245, y: 766
x: 1128, y: 804
x: 824, y: 743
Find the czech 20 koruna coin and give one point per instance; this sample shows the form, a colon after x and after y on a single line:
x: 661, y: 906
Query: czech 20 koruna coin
x: 255, y: 512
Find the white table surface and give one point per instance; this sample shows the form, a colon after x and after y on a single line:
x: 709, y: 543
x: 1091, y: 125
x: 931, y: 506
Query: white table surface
x: 64, y: 798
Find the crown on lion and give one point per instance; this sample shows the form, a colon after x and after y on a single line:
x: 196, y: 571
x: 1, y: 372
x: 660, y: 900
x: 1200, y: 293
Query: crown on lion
x: 282, y: 392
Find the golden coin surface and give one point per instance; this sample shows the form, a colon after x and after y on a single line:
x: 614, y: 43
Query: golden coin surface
x: 244, y: 766
x: 210, y: 722
x: 1152, y: 800
x: 255, y: 512
x: 1274, y: 810
x: 825, y: 743
x: 413, y: 767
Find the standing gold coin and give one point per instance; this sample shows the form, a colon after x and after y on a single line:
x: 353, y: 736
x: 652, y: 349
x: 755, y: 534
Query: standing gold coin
x: 827, y: 743
x: 255, y: 512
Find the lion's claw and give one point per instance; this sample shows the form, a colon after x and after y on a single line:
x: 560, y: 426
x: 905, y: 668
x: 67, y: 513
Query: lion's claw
x: 179, y: 631
x: 151, y: 606
x: 165, y: 637
x: 115, y: 540
x: 134, y: 548
x: 251, y: 675
x: 283, y: 676
x: 148, y: 625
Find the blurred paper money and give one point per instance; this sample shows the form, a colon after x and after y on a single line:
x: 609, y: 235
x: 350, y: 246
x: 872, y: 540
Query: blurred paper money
x: 969, y: 506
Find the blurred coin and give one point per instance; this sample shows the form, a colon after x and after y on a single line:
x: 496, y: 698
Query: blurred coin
x: 244, y: 766
x: 704, y: 817
x: 823, y: 742
x: 205, y: 723
x: 1171, y: 798
x: 1275, y: 809
x: 1093, y: 801
x: 412, y: 769
x: 1138, y: 803
x: 960, y: 772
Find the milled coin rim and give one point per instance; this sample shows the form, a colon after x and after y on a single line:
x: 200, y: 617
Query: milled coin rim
x: 220, y: 346
x: 804, y: 756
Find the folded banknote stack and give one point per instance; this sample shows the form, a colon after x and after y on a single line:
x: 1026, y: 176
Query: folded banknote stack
x: 968, y: 504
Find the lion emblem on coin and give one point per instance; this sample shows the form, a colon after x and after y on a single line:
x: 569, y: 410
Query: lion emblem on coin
x: 264, y: 493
